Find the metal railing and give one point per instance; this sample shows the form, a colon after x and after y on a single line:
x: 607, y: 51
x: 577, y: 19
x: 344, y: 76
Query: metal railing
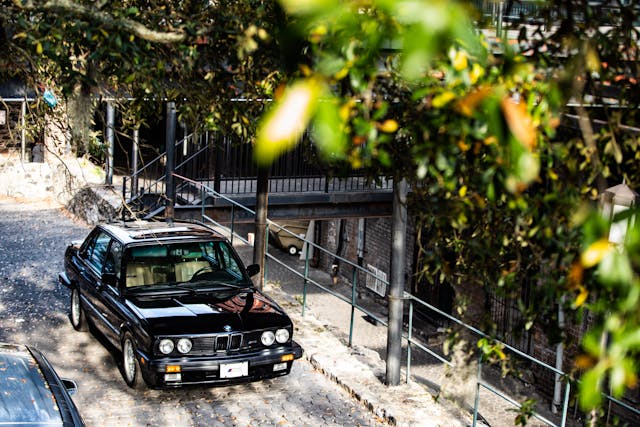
x: 225, y: 164
x: 411, y: 341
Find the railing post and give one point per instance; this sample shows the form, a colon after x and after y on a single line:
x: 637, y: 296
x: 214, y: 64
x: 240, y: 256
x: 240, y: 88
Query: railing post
x: 410, y: 337
x: 134, y: 160
x: 124, y: 196
x: 476, y: 404
x: 565, y: 404
x: 110, y: 142
x: 233, y: 216
x: 353, y: 304
x: 305, y: 281
x: 217, y: 167
x: 170, y: 143
x: 259, y: 249
x: 266, y: 252
x: 202, y: 207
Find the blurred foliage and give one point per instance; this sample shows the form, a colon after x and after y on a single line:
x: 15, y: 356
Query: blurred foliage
x: 503, y: 193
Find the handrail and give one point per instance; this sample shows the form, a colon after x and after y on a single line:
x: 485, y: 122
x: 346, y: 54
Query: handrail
x: 480, y: 383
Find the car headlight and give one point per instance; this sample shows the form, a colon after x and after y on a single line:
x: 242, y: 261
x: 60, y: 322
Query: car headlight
x: 282, y: 336
x: 267, y: 338
x: 165, y: 346
x: 184, y: 345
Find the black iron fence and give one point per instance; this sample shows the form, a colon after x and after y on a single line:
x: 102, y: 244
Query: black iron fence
x: 226, y: 164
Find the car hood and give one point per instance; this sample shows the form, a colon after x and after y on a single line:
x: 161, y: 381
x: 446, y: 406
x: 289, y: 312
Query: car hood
x: 211, y: 312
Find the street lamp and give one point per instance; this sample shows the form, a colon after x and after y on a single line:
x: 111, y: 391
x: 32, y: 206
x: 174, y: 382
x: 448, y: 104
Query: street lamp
x: 617, y: 205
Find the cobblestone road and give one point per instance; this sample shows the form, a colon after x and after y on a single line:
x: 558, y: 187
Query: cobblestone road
x: 33, y: 310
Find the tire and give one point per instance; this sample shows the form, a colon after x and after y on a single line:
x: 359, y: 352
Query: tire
x: 76, y: 312
x: 293, y: 250
x: 130, y: 366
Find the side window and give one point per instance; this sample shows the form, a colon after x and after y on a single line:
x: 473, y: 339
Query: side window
x: 228, y: 261
x: 97, y: 250
x: 113, y: 263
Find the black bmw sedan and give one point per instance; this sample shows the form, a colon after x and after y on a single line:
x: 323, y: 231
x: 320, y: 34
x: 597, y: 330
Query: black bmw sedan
x: 179, y: 305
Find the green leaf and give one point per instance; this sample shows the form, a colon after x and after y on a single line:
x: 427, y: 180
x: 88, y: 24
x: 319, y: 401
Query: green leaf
x: 590, y: 389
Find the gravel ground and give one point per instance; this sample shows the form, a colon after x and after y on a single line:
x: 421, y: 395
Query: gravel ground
x: 33, y: 310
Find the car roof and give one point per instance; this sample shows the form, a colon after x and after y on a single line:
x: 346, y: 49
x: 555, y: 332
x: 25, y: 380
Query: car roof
x: 26, y: 397
x: 151, y: 231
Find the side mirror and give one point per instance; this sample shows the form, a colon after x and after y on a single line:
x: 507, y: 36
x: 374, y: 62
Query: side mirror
x: 109, y: 279
x: 70, y: 385
x: 253, y: 269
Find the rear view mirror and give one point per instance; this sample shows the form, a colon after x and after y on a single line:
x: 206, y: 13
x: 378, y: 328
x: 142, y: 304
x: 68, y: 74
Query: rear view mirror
x: 253, y: 269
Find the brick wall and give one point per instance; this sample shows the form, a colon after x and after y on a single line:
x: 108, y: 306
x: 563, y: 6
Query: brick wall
x: 376, y: 253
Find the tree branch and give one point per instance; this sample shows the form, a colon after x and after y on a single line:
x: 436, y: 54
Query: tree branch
x: 129, y: 25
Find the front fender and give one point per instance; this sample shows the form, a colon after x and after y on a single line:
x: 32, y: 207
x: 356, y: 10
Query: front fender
x: 64, y: 280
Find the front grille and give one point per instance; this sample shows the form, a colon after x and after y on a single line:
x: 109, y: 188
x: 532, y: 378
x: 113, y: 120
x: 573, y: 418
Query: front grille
x: 213, y: 344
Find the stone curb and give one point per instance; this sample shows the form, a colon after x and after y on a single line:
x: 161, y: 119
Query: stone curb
x: 360, y: 372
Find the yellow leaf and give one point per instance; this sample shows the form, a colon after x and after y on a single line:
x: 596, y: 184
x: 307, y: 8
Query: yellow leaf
x: 283, y: 126
x: 389, y: 126
x: 519, y: 122
x: 476, y: 72
x: 345, y: 110
x: 463, y: 191
x: 39, y: 48
x: 460, y: 61
x: 592, y: 61
x: 490, y: 140
x: 584, y: 361
x: 468, y: 104
x: 582, y: 297
x: 306, y: 71
x: 463, y: 146
x: 442, y: 99
x: 594, y: 253
x: 342, y: 73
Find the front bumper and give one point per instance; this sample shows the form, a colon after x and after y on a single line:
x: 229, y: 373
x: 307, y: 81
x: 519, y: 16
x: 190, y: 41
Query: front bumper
x: 269, y: 363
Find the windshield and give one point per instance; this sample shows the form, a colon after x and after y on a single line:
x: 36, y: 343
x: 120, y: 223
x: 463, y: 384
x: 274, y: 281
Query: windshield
x: 26, y: 398
x: 198, y: 264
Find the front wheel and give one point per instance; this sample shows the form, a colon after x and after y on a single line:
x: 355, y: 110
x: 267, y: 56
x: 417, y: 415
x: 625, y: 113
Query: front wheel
x: 77, y: 317
x: 130, y: 366
x: 293, y: 250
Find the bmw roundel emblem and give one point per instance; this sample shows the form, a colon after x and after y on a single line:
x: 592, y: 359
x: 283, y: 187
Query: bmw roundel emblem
x: 227, y: 328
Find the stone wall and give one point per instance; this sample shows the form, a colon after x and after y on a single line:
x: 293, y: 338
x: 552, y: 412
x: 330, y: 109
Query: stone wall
x: 10, y: 130
x: 72, y: 182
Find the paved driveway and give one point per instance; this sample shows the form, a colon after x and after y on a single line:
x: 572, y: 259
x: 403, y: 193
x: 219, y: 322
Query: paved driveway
x: 33, y: 309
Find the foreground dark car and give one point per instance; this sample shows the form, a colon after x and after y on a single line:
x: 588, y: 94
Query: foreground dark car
x: 177, y: 302
x: 31, y: 393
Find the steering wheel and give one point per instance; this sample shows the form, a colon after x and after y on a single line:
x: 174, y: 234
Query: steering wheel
x: 200, y: 272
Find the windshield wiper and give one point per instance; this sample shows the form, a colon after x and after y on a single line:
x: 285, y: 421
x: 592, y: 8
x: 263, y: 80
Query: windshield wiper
x: 163, y: 287
x: 212, y: 286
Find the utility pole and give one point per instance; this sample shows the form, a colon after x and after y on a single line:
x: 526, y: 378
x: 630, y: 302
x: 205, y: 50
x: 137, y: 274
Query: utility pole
x: 170, y: 147
x: 397, y: 282
x: 262, y: 202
